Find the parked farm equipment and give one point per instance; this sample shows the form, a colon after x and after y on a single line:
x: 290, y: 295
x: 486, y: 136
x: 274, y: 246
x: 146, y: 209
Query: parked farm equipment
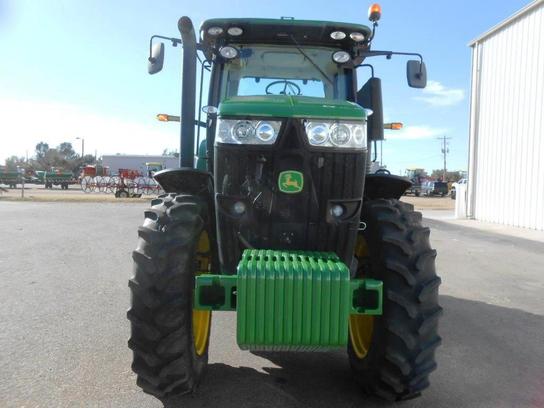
x: 128, y: 183
x: 9, y: 177
x: 55, y: 177
x: 417, y: 176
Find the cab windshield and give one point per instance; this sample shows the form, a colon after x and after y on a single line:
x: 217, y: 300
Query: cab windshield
x: 284, y: 70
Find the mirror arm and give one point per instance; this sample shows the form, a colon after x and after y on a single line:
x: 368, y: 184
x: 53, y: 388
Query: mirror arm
x: 175, y: 42
x: 367, y: 65
x: 388, y: 54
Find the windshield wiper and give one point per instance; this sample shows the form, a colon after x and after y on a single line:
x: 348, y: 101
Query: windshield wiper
x: 297, y: 45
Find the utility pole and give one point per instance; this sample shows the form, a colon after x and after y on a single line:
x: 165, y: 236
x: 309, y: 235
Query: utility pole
x: 445, y: 150
x: 82, y: 145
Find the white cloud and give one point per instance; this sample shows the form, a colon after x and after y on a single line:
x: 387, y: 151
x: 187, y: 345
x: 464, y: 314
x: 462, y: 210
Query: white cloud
x: 415, y: 132
x: 24, y: 123
x: 436, y: 94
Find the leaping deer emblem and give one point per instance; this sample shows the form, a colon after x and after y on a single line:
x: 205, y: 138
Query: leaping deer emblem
x: 289, y: 182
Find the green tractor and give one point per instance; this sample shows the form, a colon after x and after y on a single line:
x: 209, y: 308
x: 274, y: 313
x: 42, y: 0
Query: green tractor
x: 272, y: 214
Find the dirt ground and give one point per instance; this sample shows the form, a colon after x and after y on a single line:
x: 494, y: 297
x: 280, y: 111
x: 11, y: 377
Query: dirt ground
x: 74, y: 194
x: 430, y: 203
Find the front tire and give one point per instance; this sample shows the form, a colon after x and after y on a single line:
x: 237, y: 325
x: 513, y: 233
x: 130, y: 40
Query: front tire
x: 393, y: 355
x: 169, y: 339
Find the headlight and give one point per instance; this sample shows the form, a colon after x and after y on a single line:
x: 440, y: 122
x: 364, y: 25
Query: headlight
x: 318, y: 133
x: 243, y: 130
x: 340, y: 135
x: 265, y: 131
x: 251, y: 132
x: 350, y: 135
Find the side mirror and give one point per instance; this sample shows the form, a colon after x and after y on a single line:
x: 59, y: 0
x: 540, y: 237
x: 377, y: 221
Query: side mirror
x: 370, y: 97
x: 156, y: 59
x: 416, y: 74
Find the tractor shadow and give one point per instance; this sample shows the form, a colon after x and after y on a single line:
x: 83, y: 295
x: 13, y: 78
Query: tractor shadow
x: 491, y: 356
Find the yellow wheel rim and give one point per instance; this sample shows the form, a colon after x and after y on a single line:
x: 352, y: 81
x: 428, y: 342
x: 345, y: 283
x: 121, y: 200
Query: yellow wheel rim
x: 361, y: 326
x: 202, y: 318
x: 201, y: 329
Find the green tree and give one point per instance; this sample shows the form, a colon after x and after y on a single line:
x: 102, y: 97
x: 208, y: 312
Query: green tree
x: 450, y: 175
x: 67, y: 151
x: 14, y: 161
x: 41, y: 150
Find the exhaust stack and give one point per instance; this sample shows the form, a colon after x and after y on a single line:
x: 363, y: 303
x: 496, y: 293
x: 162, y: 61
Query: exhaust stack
x: 188, y: 93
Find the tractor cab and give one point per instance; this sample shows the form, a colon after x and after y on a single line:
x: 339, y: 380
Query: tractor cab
x: 285, y: 57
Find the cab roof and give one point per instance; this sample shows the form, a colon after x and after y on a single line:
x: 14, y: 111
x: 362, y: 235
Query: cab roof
x: 280, y: 31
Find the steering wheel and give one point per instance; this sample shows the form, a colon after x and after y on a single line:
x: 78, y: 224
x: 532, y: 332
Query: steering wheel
x: 382, y: 171
x: 294, y: 88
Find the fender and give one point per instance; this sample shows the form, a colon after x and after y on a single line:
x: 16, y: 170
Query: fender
x: 191, y: 181
x: 383, y: 185
x: 186, y: 180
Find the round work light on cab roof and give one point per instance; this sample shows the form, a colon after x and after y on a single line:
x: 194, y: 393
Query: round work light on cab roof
x: 357, y: 37
x: 228, y: 52
x: 341, y: 57
x: 235, y: 31
x: 215, y: 31
x: 338, y: 35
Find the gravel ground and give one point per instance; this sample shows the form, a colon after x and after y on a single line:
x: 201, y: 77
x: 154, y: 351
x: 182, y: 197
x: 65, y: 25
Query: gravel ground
x: 64, y: 270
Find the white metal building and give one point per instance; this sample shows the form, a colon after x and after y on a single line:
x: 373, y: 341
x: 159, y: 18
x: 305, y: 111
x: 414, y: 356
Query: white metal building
x: 506, y: 159
x: 137, y: 162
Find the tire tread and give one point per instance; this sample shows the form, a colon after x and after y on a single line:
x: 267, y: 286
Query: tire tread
x: 402, y: 354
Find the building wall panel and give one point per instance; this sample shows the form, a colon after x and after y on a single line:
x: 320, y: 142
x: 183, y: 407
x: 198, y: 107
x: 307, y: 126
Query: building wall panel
x: 506, y: 169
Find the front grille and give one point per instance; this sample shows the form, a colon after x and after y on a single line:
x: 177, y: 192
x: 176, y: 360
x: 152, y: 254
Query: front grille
x: 275, y: 220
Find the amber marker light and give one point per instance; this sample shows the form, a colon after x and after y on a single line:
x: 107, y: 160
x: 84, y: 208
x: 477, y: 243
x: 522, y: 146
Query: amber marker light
x: 163, y: 117
x: 393, y: 126
x: 374, y: 12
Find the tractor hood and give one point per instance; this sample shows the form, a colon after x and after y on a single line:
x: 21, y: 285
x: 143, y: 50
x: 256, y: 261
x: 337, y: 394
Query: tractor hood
x: 287, y: 106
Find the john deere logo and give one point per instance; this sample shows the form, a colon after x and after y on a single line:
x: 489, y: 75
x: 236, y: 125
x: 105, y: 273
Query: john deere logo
x: 291, y: 181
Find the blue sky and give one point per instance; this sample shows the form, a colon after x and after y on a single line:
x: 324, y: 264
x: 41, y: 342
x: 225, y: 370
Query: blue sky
x: 78, y: 69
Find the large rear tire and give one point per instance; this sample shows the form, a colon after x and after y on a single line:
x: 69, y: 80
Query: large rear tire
x: 393, y: 355
x: 169, y: 339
